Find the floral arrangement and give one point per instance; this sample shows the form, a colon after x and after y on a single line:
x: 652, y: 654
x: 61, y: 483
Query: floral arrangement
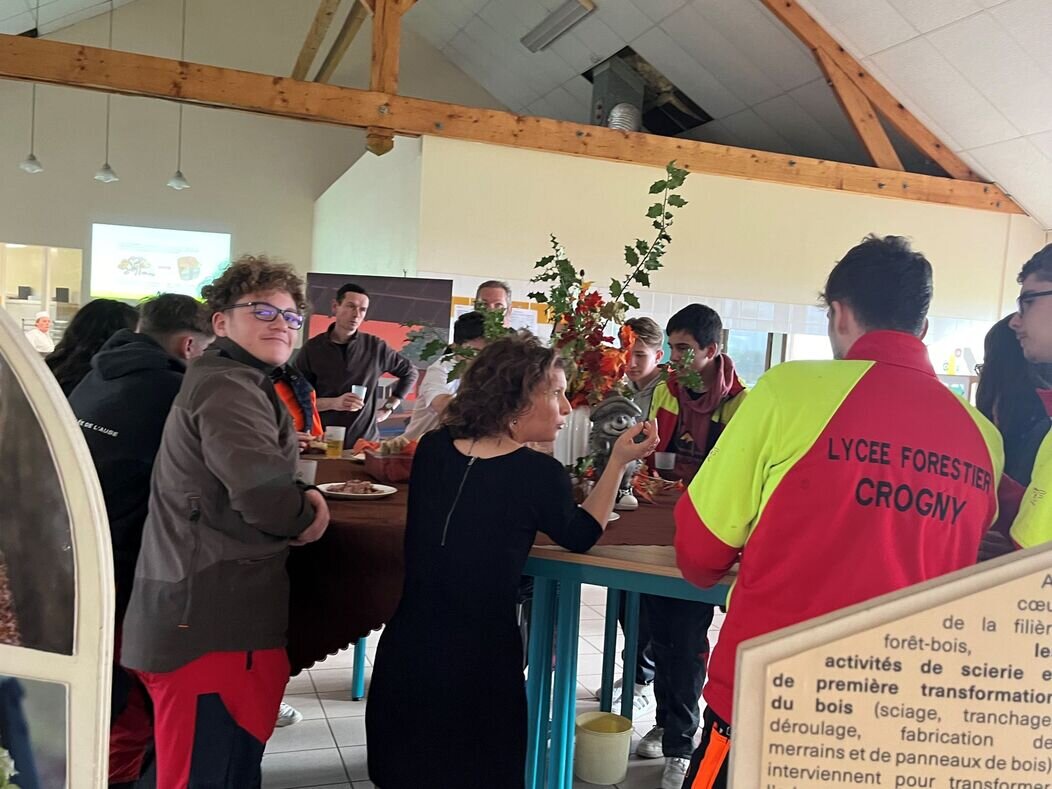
x: 581, y: 316
x: 7, y: 770
x: 493, y: 328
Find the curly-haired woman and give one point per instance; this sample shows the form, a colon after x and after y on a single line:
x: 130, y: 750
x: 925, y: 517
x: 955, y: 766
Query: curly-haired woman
x: 205, y: 628
x: 447, y: 706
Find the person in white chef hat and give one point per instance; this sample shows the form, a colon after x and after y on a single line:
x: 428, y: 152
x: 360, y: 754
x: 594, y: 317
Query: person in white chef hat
x: 38, y: 336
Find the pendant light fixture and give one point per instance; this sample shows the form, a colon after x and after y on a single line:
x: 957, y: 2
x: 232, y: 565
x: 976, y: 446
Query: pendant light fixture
x: 105, y: 173
x: 31, y: 164
x: 178, y: 182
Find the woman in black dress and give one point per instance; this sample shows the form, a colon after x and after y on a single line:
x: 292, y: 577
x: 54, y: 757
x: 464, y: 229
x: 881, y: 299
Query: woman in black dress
x: 447, y: 702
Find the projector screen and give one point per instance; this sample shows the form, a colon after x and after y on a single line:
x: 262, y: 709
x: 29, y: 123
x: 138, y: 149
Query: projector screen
x: 134, y: 262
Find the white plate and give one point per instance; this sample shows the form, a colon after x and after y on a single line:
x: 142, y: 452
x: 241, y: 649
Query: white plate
x: 613, y: 517
x: 381, y: 491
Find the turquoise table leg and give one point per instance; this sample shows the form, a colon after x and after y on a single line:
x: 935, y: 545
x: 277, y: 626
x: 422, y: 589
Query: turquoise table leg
x: 606, y: 692
x: 539, y: 680
x: 358, y: 678
x: 628, y: 676
x: 564, y: 698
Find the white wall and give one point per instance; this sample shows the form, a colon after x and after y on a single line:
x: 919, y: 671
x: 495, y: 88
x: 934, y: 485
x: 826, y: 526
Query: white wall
x: 368, y: 221
x: 487, y: 211
x: 251, y: 176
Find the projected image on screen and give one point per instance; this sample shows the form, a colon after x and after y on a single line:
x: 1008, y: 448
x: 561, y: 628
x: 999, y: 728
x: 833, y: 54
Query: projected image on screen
x: 134, y: 262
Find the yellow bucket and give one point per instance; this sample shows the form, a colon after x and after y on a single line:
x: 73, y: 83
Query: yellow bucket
x: 602, y: 746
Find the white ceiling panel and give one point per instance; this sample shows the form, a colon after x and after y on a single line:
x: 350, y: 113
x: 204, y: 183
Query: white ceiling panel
x: 624, y: 18
x: 768, y: 44
x: 923, y: 77
x: 17, y: 24
x: 430, y: 22
x: 1000, y: 69
x: 580, y: 89
x: 658, y: 9
x: 714, y: 132
x: 686, y: 73
x: 1029, y: 22
x: 598, y: 37
x: 10, y: 8
x: 865, y: 26
x: 728, y: 64
x: 573, y: 51
x: 752, y: 131
x: 817, y: 98
x: 1023, y: 171
x: 927, y: 15
x: 803, y: 133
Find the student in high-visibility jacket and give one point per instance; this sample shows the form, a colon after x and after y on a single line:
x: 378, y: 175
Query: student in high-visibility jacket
x: 1033, y: 327
x: 689, y: 422
x: 837, y: 481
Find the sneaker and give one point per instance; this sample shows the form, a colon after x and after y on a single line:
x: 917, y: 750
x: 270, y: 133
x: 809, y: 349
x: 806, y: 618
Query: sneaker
x: 287, y: 715
x: 650, y: 746
x: 617, y: 692
x: 643, y: 701
x: 675, y: 771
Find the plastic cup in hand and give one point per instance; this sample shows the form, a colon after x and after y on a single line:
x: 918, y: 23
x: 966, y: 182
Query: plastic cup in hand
x: 359, y: 391
x: 664, y: 461
x: 334, y: 437
x: 307, y: 471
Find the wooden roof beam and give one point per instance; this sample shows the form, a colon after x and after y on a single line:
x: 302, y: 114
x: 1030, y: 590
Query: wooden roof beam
x: 861, y: 114
x: 319, y: 27
x: 110, y: 71
x: 351, y: 25
x: 383, y: 76
x: 814, y: 36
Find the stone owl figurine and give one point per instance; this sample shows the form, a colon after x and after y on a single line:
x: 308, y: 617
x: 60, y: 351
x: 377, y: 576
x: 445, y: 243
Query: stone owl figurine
x: 610, y: 419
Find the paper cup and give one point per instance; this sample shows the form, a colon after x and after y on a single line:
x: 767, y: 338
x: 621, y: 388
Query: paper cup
x: 665, y: 461
x: 360, y: 391
x: 306, y: 471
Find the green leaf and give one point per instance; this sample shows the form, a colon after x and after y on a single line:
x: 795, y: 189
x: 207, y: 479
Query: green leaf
x: 432, y: 349
x: 642, y: 246
x: 630, y: 299
x: 654, y: 211
x: 642, y: 278
x: 615, y: 288
x: 668, y: 215
x: 631, y: 258
x: 677, y: 201
x: 658, y: 187
x: 540, y: 298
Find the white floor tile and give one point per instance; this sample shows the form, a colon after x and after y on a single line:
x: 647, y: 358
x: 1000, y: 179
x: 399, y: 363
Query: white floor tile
x: 332, y: 679
x: 589, y: 613
x: 593, y: 595
x: 309, y: 706
x: 299, y: 684
x: 302, y: 736
x: 338, y: 704
x: 593, y: 627
x: 363, y: 785
x: 302, y: 768
x: 356, y: 762
x: 348, y: 731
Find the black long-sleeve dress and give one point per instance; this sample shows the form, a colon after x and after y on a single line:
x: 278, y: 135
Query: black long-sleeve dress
x: 447, y: 703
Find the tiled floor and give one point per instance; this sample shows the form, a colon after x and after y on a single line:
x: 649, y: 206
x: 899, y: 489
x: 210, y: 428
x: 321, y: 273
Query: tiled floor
x: 326, y: 750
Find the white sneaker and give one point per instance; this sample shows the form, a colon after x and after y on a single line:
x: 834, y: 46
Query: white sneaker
x: 287, y: 715
x: 675, y: 771
x: 617, y: 692
x: 650, y: 746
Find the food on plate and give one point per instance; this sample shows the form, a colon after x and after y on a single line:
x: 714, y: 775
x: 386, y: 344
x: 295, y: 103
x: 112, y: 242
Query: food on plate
x: 358, y: 487
x: 399, y: 445
x: 315, y: 447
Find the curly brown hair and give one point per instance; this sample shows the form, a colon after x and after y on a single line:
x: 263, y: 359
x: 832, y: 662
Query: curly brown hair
x: 497, y: 386
x: 253, y: 274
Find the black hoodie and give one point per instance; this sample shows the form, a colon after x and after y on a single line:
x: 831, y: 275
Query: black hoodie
x: 122, y: 405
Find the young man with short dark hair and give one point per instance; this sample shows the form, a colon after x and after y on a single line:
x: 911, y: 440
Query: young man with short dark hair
x: 689, y: 423
x: 829, y: 464
x: 122, y: 405
x: 343, y: 358
x: 1032, y: 324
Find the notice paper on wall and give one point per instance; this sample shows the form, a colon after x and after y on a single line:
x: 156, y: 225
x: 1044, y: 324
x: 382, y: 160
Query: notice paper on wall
x: 946, y: 685
x: 134, y: 262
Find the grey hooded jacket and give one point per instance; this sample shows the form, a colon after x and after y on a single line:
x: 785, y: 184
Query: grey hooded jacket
x: 223, y: 506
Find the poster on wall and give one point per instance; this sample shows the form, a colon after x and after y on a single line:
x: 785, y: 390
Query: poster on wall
x: 135, y: 262
x: 406, y: 312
